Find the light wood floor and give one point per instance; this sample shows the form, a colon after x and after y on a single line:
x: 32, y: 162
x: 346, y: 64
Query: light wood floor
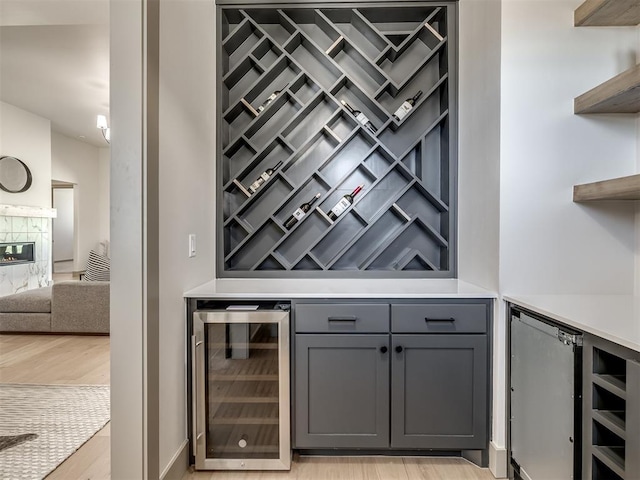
x: 67, y: 360
x: 362, y: 468
x: 62, y: 359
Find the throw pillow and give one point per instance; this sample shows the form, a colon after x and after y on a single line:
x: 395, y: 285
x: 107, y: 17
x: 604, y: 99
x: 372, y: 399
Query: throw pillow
x: 98, y: 268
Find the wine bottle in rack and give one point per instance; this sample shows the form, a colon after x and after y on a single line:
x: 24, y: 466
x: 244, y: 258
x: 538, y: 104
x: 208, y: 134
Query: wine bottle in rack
x: 300, y: 212
x: 271, y: 98
x: 343, y: 203
x: 360, y: 117
x: 406, y: 106
x: 264, y: 176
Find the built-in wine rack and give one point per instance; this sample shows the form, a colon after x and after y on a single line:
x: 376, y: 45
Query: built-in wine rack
x: 612, y: 412
x: 284, y: 73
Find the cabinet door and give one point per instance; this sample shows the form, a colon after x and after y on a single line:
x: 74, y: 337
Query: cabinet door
x: 341, y: 391
x: 439, y: 391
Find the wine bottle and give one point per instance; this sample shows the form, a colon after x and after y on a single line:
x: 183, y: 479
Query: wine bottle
x: 271, y: 98
x: 300, y: 212
x: 264, y: 176
x: 406, y: 106
x: 344, y: 203
x: 360, y: 117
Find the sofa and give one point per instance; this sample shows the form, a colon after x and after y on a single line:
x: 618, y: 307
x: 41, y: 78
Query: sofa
x: 65, y: 307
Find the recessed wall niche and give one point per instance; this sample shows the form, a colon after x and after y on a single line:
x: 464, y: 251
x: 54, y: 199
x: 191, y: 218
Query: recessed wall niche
x: 318, y: 100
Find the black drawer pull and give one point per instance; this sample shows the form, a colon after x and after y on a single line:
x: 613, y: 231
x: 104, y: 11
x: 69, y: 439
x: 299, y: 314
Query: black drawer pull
x: 450, y: 319
x: 399, y: 349
x: 383, y: 349
x: 348, y: 318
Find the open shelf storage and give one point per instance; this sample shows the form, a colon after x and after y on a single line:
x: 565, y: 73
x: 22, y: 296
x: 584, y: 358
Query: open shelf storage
x: 284, y: 74
x: 620, y: 94
x: 622, y: 188
x: 612, y: 412
x: 600, y: 13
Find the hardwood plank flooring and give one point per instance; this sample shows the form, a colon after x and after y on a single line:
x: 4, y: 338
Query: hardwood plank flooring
x: 361, y: 468
x: 63, y: 360
x: 54, y: 359
x: 72, y: 359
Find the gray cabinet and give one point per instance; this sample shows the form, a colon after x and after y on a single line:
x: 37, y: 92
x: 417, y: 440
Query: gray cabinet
x: 439, y: 391
x: 389, y: 377
x: 342, y: 393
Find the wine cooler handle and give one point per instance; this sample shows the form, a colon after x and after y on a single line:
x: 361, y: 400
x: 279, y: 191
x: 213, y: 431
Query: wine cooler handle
x: 399, y: 349
x: 348, y: 318
x: 194, y: 394
x: 441, y: 320
x: 383, y: 349
x: 194, y: 391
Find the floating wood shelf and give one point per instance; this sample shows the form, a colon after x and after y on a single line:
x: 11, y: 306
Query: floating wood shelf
x: 594, y: 13
x: 620, y: 94
x: 623, y: 188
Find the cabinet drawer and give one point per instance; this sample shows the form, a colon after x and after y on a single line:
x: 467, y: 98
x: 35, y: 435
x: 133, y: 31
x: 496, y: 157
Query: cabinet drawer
x: 439, y: 318
x: 336, y: 318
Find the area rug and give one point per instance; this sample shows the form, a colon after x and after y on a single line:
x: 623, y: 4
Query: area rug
x: 42, y: 425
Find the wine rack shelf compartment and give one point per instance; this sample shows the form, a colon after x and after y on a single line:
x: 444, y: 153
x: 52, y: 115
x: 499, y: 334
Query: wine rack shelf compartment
x: 315, y: 101
x: 612, y: 413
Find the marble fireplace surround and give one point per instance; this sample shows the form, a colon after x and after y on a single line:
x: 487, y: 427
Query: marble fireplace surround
x: 26, y: 224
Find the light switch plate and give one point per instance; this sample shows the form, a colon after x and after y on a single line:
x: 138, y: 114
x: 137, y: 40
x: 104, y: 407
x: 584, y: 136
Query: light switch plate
x: 192, y: 245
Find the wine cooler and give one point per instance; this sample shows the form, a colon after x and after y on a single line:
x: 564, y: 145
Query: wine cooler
x: 241, y: 388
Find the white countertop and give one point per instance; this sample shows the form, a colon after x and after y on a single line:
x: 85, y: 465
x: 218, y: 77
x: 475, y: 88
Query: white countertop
x: 613, y: 317
x: 283, y: 289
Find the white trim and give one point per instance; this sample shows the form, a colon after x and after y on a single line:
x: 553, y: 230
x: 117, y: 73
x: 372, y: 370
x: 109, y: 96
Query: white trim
x: 497, y: 460
x: 178, y: 465
x: 26, y: 211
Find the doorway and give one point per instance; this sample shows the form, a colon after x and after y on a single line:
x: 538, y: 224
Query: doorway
x: 63, y: 229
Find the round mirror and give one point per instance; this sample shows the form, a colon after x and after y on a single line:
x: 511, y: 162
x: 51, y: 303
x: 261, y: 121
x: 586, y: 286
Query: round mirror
x: 15, y: 176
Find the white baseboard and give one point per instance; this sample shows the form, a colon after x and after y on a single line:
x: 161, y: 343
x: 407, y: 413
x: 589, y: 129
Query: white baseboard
x: 178, y: 465
x: 497, y: 460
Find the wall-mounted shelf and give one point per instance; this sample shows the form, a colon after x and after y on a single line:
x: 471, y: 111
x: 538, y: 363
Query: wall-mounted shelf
x: 283, y: 77
x: 620, y: 94
x: 597, y: 13
x: 623, y: 188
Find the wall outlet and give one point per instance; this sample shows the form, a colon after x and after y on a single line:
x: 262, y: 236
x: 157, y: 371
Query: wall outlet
x: 192, y: 245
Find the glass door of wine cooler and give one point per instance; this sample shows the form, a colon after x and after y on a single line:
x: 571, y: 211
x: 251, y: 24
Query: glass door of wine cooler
x: 241, y: 389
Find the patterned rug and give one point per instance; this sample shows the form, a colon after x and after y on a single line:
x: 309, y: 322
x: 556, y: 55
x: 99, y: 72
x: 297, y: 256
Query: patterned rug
x: 42, y: 425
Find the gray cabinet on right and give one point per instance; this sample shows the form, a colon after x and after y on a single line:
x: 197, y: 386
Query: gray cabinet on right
x: 439, y: 391
x: 439, y: 376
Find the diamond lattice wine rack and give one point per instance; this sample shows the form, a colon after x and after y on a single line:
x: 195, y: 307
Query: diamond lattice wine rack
x: 321, y: 100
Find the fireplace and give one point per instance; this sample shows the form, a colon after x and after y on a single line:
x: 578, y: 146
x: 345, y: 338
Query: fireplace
x: 16, y: 252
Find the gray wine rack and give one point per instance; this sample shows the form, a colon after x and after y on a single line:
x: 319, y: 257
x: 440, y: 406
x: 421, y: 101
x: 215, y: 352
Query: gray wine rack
x: 373, y: 57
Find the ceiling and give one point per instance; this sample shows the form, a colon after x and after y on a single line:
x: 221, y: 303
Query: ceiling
x: 54, y: 62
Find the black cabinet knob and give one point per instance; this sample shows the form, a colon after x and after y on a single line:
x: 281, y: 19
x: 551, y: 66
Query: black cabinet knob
x: 383, y: 349
x: 399, y: 349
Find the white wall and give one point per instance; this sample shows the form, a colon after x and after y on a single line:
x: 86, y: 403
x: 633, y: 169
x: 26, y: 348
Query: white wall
x: 104, y: 164
x: 129, y: 446
x: 28, y: 137
x: 63, y: 224
x: 548, y: 244
x: 479, y: 178
x: 79, y: 163
x: 187, y: 201
x: 479, y: 142
x: 148, y: 326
